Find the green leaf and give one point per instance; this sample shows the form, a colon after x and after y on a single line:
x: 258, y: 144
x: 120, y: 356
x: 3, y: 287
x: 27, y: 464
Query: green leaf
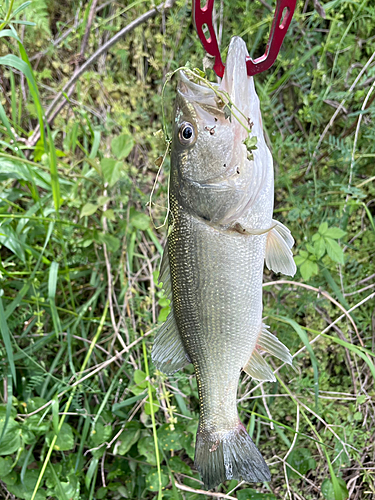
x: 334, y: 250
x: 139, y: 220
x: 323, y: 228
x: 329, y: 493
x: 5, y: 466
x: 299, y: 260
x: 25, y: 488
x: 37, y: 425
x: 146, y: 448
x: 152, y: 480
x: 21, y: 8
x: 102, y: 493
x: 228, y: 112
x: 11, y: 478
x: 88, y: 209
x: 335, y: 233
x: 140, y: 379
x: 111, y: 170
x: 127, y: 402
x: 100, y: 434
x: 251, y: 143
x: 70, y: 488
x: 11, y: 240
x: 122, y: 145
x: 308, y: 269
x: 65, y: 439
x: 102, y: 200
x: 147, y: 407
x: 163, y: 314
x: 11, y: 440
x: 112, y: 243
x: 361, y: 399
x: 319, y: 247
x: 10, y: 169
x: 170, y: 440
x: 109, y: 214
x: 129, y: 436
x: 301, y: 460
x: 310, y: 248
x: 178, y: 465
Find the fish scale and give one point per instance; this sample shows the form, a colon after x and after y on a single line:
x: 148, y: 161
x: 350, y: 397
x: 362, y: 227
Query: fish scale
x: 220, y: 233
x: 214, y: 308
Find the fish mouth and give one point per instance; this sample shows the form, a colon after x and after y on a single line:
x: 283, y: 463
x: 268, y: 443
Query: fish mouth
x: 193, y: 92
x: 234, y: 81
x: 213, y: 97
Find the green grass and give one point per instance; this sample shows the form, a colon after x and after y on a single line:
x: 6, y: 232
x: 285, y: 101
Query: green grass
x: 83, y: 412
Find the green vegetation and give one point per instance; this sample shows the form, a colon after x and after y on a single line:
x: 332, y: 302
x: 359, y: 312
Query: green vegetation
x: 83, y: 414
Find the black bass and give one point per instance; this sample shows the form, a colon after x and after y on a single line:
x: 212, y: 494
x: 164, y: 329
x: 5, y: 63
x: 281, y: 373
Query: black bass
x: 220, y: 233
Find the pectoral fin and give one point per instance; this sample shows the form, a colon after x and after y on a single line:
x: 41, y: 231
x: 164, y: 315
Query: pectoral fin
x: 168, y: 352
x: 279, y: 257
x: 269, y: 343
x: 258, y: 368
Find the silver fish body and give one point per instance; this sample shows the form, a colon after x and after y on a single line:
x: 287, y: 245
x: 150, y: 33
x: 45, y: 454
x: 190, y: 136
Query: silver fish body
x: 220, y: 232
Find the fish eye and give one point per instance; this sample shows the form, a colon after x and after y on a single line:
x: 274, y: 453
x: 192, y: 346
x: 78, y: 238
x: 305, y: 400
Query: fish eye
x: 186, y: 134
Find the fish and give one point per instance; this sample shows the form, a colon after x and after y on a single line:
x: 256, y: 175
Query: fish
x: 221, y: 231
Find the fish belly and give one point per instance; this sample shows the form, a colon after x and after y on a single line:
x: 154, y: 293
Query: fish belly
x: 217, y: 296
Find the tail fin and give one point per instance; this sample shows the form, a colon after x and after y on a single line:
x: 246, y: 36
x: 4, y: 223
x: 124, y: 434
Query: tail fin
x: 229, y: 455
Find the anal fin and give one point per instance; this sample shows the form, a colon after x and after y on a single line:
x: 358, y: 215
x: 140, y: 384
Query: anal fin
x: 271, y: 344
x: 168, y: 352
x: 258, y: 368
x: 279, y: 257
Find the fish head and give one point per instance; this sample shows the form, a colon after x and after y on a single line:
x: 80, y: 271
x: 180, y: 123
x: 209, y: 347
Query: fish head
x: 210, y: 162
x: 203, y: 137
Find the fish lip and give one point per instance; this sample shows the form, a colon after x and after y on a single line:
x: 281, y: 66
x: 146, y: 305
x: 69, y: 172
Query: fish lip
x: 194, y: 92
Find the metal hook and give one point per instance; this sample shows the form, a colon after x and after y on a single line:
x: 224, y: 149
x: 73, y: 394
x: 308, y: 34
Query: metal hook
x: 283, y: 15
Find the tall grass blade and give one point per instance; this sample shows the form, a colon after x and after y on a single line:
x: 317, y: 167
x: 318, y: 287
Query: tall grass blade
x: 305, y: 339
x: 17, y: 63
x: 9, y: 394
x: 52, y: 283
x: 15, y: 303
x: 356, y: 350
x: 7, y: 340
x: 53, y: 170
x: 154, y: 432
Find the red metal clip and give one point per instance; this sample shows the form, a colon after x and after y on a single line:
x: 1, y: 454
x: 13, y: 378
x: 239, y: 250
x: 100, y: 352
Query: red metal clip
x: 283, y: 15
